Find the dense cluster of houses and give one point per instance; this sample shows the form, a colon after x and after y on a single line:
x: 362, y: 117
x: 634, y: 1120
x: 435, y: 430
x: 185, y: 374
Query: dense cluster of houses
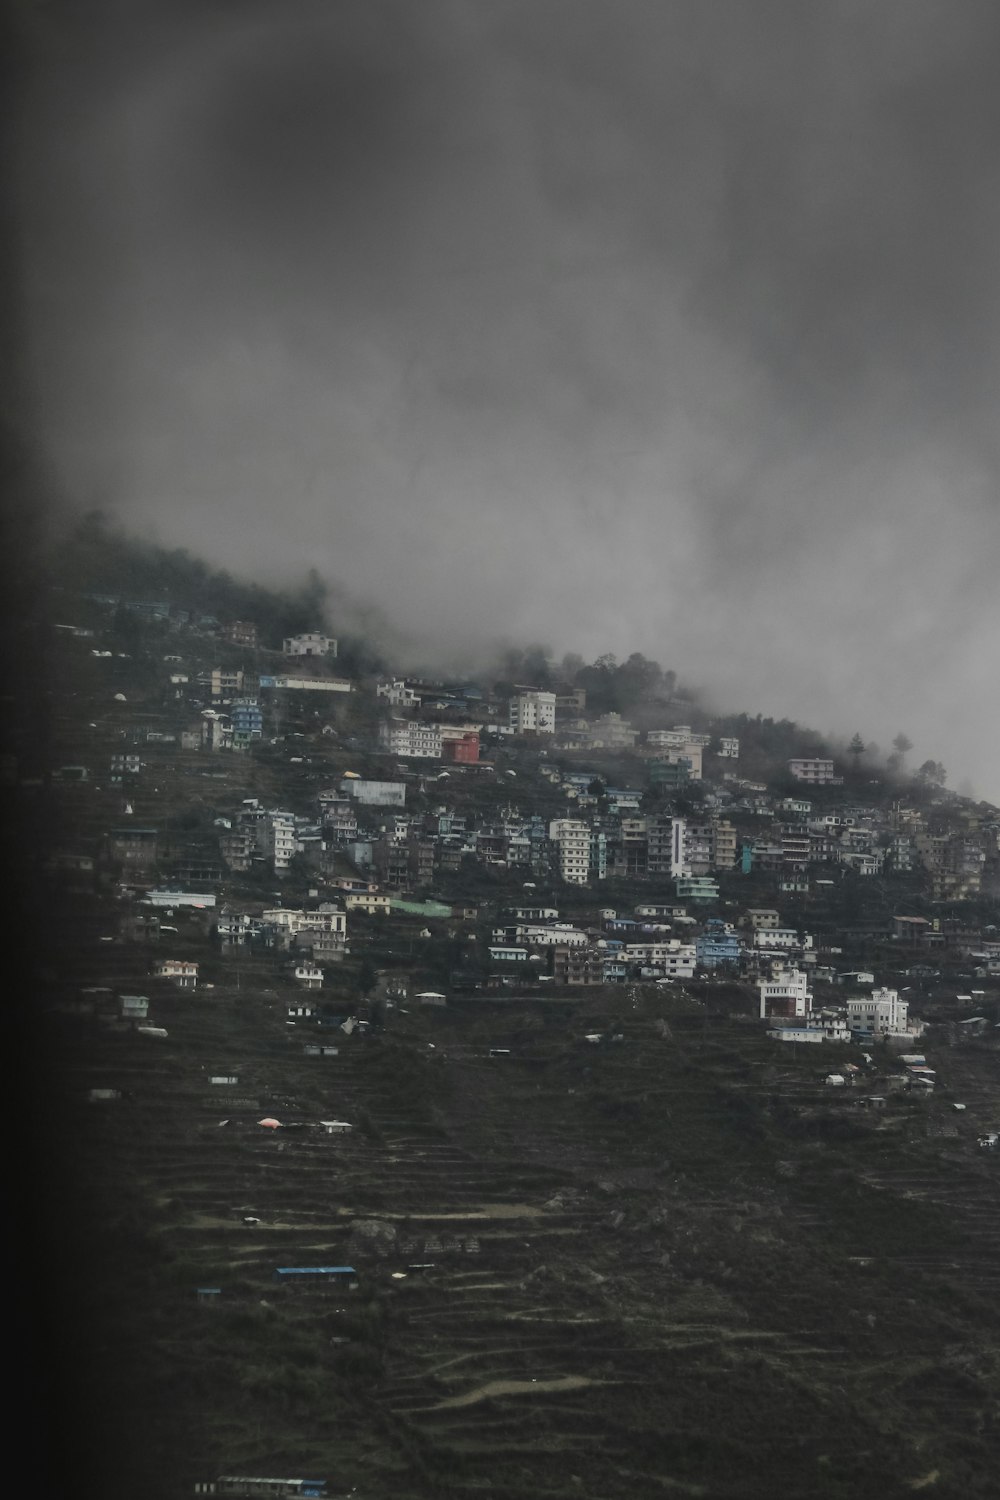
x: 674, y: 813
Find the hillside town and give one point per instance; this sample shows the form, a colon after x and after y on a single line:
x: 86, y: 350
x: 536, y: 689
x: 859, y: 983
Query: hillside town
x: 487, y: 836
x: 398, y: 1030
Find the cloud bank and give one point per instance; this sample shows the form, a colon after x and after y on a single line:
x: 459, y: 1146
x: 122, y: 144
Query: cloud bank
x: 650, y: 325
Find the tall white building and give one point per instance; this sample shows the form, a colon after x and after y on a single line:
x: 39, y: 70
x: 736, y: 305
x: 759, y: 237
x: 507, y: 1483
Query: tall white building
x: 571, y: 837
x: 533, y: 712
x: 280, y: 836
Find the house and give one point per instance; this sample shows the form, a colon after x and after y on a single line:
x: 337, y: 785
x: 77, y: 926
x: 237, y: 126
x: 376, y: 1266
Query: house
x: 180, y: 972
x: 133, y: 1007
x: 308, y: 974
x: 397, y: 694
x: 310, y: 643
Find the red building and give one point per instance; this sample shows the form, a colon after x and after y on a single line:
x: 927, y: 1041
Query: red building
x: 464, y: 751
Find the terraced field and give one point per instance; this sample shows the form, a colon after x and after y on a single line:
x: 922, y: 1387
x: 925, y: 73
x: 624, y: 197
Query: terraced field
x: 660, y: 1265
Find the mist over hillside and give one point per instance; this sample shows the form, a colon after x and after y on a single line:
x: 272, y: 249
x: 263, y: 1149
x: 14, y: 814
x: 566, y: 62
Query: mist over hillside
x: 657, y: 327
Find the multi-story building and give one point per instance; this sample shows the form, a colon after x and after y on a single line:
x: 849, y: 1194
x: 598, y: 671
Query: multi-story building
x: 461, y: 748
x: 571, y: 837
x: 532, y: 712
x: 310, y: 643
x: 729, y: 748
x: 813, y: 769
x: 240, y: 633
x: 397, y: 694
x: 696, y: 888
x: 786, y: 994
x: 179, y: 971
x: 878, y: 1014
x: 672, y: 773
x: 247, y: 721
x: 724, y: 842
x: 411, y: 739
x: 719, y: 944
x: 577, y: 966
x: 280, y: 841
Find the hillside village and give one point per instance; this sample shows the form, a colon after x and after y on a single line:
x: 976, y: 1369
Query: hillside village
x: 253, y: 818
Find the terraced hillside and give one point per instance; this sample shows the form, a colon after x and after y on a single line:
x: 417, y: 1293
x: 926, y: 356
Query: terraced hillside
x: 657, y: 1263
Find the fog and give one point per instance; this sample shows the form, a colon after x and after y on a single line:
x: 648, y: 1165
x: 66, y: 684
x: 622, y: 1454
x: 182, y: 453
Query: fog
x: 656, y: 325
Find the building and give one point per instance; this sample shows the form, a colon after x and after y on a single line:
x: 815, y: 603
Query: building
x: 881, y: 1013
x: 397, y: 694
x: 372, y: 793
x: 812, y: 769
x: 696, y: 888
x: 729, y: 748
x: 410, y: 739
x: 311, y: 643
x: 571, y: 836
x: 247, y: 722
x: 786, y: 994
x: 183, y: 974
x: 307, y: 684
x: 532, y: 712
x: 280, y: 839
x: 718, y: 945
x: 240, y: 633
x: 463, y: 748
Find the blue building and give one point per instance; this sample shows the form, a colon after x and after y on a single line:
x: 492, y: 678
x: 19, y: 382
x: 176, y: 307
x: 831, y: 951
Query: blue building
x: 717, y: 945
x: 247, y: 719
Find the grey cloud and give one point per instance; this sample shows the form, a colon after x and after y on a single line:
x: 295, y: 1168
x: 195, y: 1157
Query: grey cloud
x: 661, y: 326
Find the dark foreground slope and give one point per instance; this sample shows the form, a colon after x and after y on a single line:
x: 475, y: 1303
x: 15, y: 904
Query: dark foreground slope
x: 674, y: 1262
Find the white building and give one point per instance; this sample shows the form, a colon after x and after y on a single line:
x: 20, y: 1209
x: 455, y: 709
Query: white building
x: 184, y: 975
x: 812, y: 769
x: 729, y: 748
x: 311, y: 643
x: 397, y: 694
x: 879, y: 1014
x: 308, y: 974
x: 326, y: 918
x: 784, y: 938
x: 571, y: 837
x: 533, y: 712
x: 280, y: 838
x: 680, y: 738
x: 410, y: 739
x: 786, y: 994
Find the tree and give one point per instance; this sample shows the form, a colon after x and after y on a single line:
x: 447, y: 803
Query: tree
x: 857, y: 748
x: 901, y: 744
x: 932, y: 773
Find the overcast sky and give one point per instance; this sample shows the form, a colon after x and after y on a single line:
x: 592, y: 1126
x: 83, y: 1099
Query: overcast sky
x: 658, y: 325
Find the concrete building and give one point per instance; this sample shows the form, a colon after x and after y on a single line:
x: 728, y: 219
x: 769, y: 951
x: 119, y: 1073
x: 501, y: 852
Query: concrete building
x: 310, y: 643
x: 410, y: 739
x: 812, y: 769
x: 532, y: 712
x: 786, y: 994
x: 184, y: 975
x: 878, y: 1014
x: 571, y: 836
